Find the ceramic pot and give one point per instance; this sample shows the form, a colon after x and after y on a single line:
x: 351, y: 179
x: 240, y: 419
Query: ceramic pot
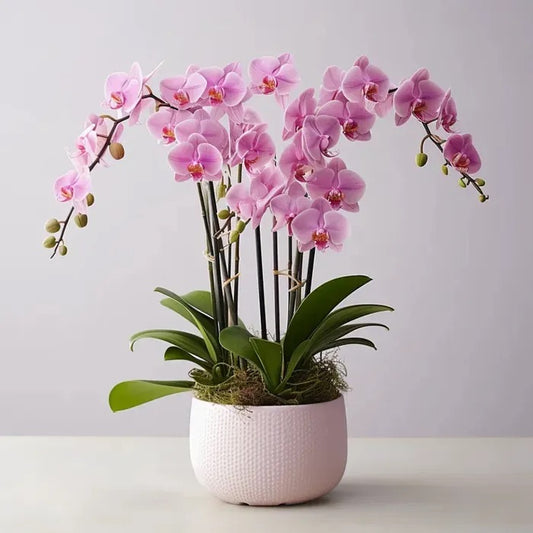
x: 268, y: 455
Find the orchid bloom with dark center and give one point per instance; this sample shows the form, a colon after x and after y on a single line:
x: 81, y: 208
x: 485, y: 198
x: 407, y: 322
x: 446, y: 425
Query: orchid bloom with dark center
x: 461, y: 153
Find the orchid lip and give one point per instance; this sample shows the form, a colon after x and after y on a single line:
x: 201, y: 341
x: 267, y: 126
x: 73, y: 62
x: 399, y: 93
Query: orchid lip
x: 117, y: 100
x: 268, y: 85
x: 196, y: 170
x: 370, y: 91
x: 335, y: 197
x: 321, y: 238
x: 67, y: 193
x: 216, y: 95
x: 181, y: 97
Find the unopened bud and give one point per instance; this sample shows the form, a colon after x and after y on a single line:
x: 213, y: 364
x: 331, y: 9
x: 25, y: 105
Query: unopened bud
x: 221, y: 190
x: 482, y: 198
x: 62, y: 250
x: 241, y: 225
x: 480, y: 182
x: 462, y: 183
x: 223, y: 214
x: 52, y: 226
x: 49, y: 242
x: 234, y: 236
x: 81, y: 220
x: 421, y: 159
x: 90, y: 199
x: 116, y: 150
x: 444, y: 169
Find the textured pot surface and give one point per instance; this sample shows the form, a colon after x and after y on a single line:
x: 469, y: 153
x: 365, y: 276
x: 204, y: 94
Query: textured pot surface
x: 268, y: 455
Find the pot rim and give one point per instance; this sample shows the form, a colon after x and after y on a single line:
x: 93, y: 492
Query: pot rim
x: 267, y: 407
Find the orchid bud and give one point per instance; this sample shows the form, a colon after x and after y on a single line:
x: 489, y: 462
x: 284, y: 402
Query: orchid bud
x: 444, y: 169
x: 234, y: 236
x: 90, y: 199
x: 81, y: 220
x: 421, y: 159
x: 116, y: 150
x: 223, y: 214
x: 241, y: 226
x: 462, y: 183
x: 482, y: 198
x: 49, y: 242
x: 52, y: 226
x: 480, y: 182
x: 62, y: 250
x: 221, y: 190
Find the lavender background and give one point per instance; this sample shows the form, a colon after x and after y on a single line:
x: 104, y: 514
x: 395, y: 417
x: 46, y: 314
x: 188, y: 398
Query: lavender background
x: 458, y: 359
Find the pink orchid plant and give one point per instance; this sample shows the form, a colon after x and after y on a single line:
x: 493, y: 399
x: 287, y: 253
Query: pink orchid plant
x: 205, y: 122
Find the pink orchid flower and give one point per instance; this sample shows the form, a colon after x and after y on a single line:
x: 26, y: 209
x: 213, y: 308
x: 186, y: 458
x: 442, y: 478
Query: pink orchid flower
x: 123, y: 91
x: 461, y: 154
x: 354, y: 119
x: 183, y: 91
x: 223, y: 87
x: 296, y: 112
x: 417, y: 96
x: 293, y: 162
x: 196, y: 159
x: 447, y: 113
x: 271, y: 75
x: 211, y: 130
x: 319, y: 135
x: 320, y: 227
x: 249, y: 119
x: 331, y: 86
x: 74, y: 187
x: 162, y: 123
x: 255, y: 148
x: 287, y: 206
x: 341, y: 187
x: 251, y: 201
x: 365, y: 82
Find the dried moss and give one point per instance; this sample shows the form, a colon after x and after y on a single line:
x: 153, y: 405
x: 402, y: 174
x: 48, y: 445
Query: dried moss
x: 323, y: 381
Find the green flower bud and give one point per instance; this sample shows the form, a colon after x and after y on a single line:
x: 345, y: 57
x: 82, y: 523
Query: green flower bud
x: 444, y: 169
x: 421, y: 159
x: 90, y: 199
x: 62, y: 250
x: 480, y: 182
x: 49, y: 242
x: 52, y: 225
x: 482, y: 198
x: 223, y: 214
x: 221, y: 190
x: 116, y: 150
x: 462, y: 183
x: 234, y: 236
x: 81, y: 220
x: 241, y: 225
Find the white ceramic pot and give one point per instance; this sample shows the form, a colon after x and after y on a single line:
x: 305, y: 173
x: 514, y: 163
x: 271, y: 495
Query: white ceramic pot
x: 268, y: 455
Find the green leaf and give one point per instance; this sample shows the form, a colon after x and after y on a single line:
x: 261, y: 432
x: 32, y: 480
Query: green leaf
x: 200, y: 300
x: 339, y: 332
x: 205, y: 324
x: 317, y: 306
x: 271, y: 357
x: 236, y: 339
x: 349, y: 340
x: 177, y: 354
x: 186, y: 341
x: 346, y: 314
x: 132, y: 393
x: 298, y: 355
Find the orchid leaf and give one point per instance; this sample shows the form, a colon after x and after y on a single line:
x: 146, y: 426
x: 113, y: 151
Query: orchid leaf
x: 340, y: 332
x: 177, y: 354
x: 316, y: 307
x: 270, y: 355
x: 132, y: 393
x: 236, y: 339
x: 186, y: 341
x: 350, y: 340
x: 296, y: 357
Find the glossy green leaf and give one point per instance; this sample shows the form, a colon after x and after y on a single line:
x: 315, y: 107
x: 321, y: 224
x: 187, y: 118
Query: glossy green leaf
x: 236, y: 339
x: 200, y: 300
x: 177, y: 354
x: 295, y: 358
x: 341, y: 331
x: 317, y: 306
x: 347, y: 314
x: 132, y: 393
x: 349, y: 340
x: 205, y: 324
x: 186, y: 341
x: 270, y: 355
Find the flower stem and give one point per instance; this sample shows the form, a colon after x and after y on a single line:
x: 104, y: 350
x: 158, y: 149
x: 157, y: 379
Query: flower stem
x: 310, y: 268
x: 260, y: 282
x: 275, y: 266
x: 237, y: 259
x: 296, y: 274
x: 289, y: 279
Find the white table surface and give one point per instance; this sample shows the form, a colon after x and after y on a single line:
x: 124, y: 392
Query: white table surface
x: 100, y: 485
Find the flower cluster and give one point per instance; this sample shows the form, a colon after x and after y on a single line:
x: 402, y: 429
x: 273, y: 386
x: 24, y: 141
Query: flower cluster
x: 205, y: 119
